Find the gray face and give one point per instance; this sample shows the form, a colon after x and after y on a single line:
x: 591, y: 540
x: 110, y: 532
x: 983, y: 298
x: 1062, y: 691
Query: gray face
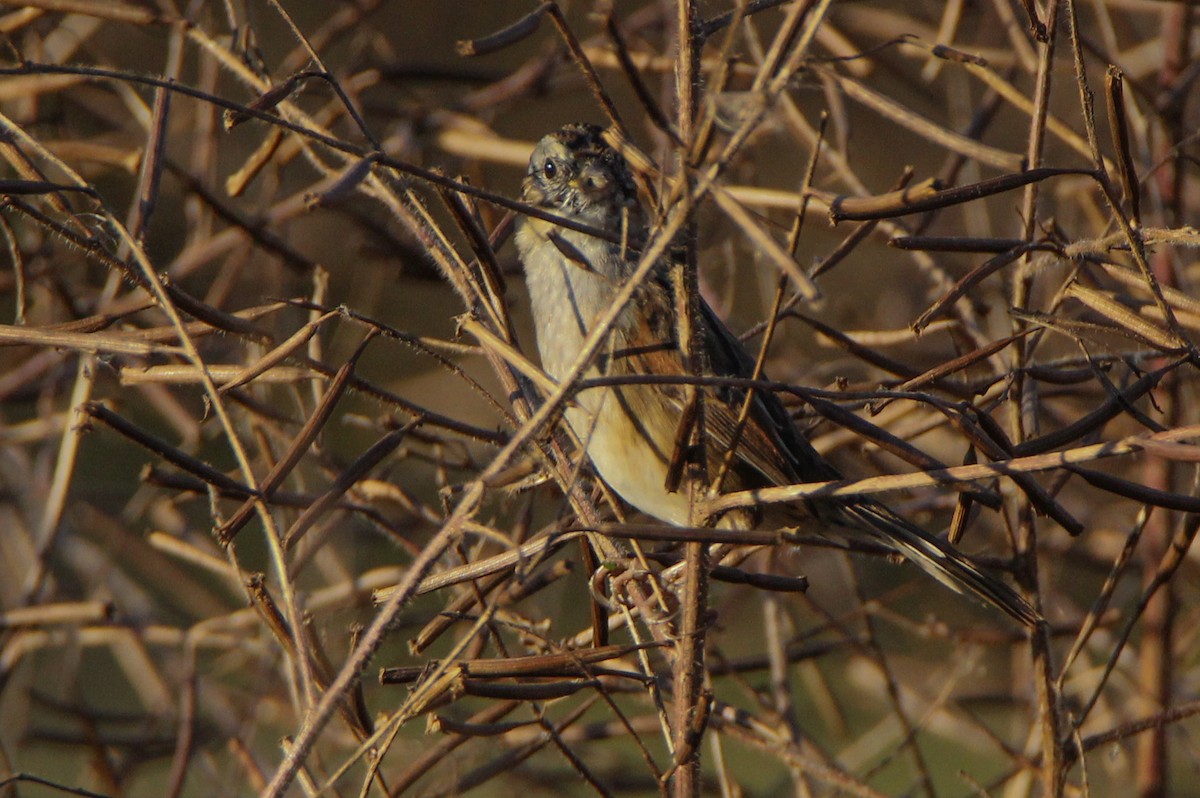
x: 574, y: 172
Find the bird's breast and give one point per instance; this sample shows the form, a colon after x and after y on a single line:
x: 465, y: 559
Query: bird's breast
x: 566, y: 297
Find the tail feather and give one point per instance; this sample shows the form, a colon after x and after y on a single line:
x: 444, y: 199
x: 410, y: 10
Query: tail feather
x: 941, y: 561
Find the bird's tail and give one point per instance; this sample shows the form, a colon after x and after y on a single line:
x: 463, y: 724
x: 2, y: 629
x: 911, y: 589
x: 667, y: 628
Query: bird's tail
x: 941, y: 561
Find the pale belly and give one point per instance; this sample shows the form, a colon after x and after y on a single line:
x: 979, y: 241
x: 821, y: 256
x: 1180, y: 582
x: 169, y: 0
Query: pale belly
x: 628, y: 435
x: 631, y: 456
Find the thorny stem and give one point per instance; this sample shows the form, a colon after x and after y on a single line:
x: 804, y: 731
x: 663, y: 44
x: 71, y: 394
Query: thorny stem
x: 690, y: 705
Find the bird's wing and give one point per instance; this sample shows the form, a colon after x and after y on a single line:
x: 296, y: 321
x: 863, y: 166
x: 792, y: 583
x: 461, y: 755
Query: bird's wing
x: 768, y: 451
x: 769, y: 442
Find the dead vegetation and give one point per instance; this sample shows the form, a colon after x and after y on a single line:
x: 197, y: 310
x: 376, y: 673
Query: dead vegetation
x: 277, y: 462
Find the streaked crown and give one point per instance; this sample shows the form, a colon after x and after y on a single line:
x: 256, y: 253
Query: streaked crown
x: 575, y: 172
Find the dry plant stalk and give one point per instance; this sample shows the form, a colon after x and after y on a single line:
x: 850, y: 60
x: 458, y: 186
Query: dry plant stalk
x: 269, y: 407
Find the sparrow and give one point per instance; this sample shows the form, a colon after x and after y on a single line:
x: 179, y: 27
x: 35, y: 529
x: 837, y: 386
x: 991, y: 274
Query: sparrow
x: 629, y: 431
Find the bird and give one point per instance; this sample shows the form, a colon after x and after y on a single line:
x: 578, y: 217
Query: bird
x: 629, y: 430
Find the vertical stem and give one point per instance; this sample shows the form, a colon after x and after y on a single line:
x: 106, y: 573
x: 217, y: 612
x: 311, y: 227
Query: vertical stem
x: 1154, y: 653
x: 1052, y: 768
x: 690, y: 702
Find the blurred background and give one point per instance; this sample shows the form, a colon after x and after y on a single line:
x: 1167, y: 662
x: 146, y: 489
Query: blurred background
x: 160, y: 637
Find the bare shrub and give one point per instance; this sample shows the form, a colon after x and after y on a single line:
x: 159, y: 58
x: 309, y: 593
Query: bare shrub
x: 277, y: 460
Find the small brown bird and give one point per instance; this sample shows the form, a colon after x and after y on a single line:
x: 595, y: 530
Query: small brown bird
x: 629, y: 430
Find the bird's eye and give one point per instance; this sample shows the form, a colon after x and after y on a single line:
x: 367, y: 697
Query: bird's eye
x: 550, y: 170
